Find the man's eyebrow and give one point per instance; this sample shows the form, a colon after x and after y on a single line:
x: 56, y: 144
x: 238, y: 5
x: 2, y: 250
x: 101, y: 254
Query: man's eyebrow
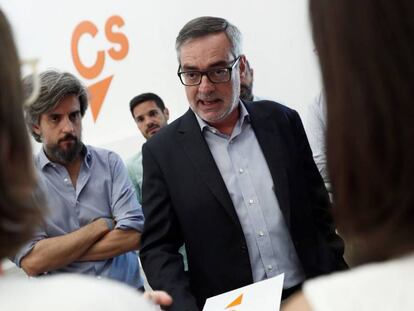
x: 220, y: 63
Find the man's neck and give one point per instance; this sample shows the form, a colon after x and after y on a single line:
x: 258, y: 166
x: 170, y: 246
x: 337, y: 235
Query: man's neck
x: 73, y: 168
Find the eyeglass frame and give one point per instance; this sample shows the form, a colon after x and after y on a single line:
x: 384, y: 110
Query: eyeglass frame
x: 206, y: 72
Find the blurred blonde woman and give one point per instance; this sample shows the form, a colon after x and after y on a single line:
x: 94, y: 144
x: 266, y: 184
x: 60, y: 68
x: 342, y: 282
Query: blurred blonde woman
x: 366, y: 51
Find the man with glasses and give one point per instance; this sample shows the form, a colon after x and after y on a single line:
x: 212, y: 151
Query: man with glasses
x: 233, y: 181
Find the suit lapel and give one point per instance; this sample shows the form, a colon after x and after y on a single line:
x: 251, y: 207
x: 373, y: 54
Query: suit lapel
x: 196, y: 148
x: 274, y: 151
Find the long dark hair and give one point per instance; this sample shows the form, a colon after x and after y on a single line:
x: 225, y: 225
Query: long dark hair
x: 18, y: 212
x: 366, y: 51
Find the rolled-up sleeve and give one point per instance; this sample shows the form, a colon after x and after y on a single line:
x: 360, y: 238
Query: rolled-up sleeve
x: 26, y: 248
x: 40, y: 231
x: 126, y: 209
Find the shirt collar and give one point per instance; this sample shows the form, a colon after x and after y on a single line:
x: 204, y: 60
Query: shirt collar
x: 44, y: 160
x: 244, y: 117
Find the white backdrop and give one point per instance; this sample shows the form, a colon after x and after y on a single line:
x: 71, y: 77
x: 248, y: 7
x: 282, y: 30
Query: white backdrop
x: 277, y: 42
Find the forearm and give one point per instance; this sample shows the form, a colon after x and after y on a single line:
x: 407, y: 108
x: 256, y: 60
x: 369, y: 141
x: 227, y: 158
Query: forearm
x: 56, y: 252
x: 114, y: 243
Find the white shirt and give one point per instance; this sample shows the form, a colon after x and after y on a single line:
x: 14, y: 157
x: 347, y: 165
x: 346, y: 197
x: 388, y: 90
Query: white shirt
x: 387, y: 286
x: 69, y: 292
x: 315, y: 126
x: 247, y: 177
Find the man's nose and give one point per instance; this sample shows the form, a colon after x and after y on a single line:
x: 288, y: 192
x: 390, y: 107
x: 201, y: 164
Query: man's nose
x: 68, y: 126
x: 206, y: 85
x: 147, y: 121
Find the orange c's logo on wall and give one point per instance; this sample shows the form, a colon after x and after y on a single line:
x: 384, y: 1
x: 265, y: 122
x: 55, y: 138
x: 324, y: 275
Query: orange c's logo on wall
x: 98, y: 90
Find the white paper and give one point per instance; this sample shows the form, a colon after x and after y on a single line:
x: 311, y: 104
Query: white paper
x: 264, y: 296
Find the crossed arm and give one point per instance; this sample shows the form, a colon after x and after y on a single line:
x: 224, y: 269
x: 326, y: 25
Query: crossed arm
x: 94, y: 241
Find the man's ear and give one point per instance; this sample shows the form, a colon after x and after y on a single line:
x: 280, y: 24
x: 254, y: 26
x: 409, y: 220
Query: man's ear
x: 36, y: 129
x: 242, y: 66
x: 166, y: 113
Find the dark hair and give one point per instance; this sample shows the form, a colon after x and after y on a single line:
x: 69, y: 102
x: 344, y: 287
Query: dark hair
x: 366, y: 53
x: 207, y: 25
x: 139, y: 99
x: 54, y: 85
x: 18, y: 213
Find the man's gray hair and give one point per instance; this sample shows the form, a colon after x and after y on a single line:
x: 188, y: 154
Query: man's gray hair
x: 54, y: 85
x: 207, y: 25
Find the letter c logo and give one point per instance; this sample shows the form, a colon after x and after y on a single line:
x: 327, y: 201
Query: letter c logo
x: 86, y: 72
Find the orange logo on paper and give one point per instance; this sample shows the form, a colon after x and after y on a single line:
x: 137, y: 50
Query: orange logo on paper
x: 99, y: 89
x: 235, y: 302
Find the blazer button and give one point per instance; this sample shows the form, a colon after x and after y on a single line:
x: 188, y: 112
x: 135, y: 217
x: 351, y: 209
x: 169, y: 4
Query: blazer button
x: 244, y: 249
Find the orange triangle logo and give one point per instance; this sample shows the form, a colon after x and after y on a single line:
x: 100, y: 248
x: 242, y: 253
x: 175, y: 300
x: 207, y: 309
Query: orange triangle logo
x: 97, y: 94
x: 235, y: 302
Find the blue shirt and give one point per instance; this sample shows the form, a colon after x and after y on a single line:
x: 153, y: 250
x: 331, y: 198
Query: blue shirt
x: 246, y: 175
x: 103, y: 190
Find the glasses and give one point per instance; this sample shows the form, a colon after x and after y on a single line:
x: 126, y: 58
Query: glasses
x: 216, y: 75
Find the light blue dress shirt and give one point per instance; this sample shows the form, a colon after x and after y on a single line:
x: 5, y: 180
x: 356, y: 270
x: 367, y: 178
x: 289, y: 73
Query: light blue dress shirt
x: 135, y: 172
x: 103, y: 190
x: 246, y: 174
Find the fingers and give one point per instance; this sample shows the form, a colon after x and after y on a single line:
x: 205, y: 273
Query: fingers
x: 159, y: 297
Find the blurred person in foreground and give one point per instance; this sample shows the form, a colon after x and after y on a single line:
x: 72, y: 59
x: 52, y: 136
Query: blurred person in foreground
x: 366, y: 53
x: 20, y: 214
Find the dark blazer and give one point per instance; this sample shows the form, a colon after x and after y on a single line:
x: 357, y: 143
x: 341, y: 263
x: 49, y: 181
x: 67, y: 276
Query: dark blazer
x: 186, y: 201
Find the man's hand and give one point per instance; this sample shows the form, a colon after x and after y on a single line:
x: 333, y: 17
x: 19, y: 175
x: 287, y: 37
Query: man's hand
x: 160, y: 298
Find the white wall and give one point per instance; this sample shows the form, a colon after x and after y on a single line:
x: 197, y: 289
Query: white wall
x: 277, y: 42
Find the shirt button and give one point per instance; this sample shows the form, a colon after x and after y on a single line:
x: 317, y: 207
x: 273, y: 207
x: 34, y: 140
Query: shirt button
x: 66, y: 180
x: 260, y: 233
x: 241, y: 171
x: 269, y: 268
x: 251, y: 201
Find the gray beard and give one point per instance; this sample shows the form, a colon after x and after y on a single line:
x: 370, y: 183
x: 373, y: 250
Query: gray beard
x: 56, y: 154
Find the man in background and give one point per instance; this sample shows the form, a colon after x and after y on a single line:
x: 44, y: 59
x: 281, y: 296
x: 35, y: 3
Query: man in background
x: 246, y: 84
x: 150, y: 115
x: 315, y: 127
